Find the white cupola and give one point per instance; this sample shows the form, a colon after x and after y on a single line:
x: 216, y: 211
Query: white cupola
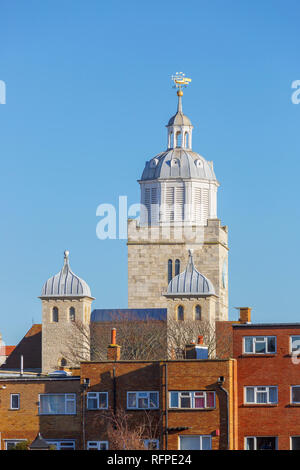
x: 178, y: 185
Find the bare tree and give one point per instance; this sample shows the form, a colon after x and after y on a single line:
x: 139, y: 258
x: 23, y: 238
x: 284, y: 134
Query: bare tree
x: 181, y: 333
x: 126, y: 432
x: 139, y: 340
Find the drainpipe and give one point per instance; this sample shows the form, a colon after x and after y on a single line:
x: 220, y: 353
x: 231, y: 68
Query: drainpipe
x: 221, y: 380
x: 166, y: 406
x: 114, y: 390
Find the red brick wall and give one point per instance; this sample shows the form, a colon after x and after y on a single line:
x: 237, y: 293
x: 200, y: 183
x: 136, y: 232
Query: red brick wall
x: 282, y: 420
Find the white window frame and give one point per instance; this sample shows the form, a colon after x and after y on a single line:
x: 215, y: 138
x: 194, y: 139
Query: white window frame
x: 137, y: 399
x: 97, y: 397
x: 59, y: 443
x: 255, y: 441
x: 14, y: 441
x: 192, y: 398
x: 265, y: 340
x: 95, y: 445
x: 291, y: 440
x: 201, y: 436
x: 291, y: 394
x: 256, y: 391
x: 69, y: 397
x: 148, y: 441
x: 11, y: 399
x: 291, y: 344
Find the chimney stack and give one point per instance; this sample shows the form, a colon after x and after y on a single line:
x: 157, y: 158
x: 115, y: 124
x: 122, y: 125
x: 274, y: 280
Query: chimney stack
x: 245, y: 314
x: 196, y: 351
x: 113, y: 350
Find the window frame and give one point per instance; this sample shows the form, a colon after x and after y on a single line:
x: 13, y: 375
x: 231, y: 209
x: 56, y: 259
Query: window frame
x: 14, y: 441
x: 137, y: 392
x: 98, y: 444
x: 74, y: 400
x: 201, y: 436
x: 254, y: 342
x: 259, y: 437
x: 97, y: 397
x: 59, y: 443
x: 291, y: 344
x: 256, y: 391
x: 291, y: 395
x: 291, y: 441
x: 11, y: 398
x: 192, y: 398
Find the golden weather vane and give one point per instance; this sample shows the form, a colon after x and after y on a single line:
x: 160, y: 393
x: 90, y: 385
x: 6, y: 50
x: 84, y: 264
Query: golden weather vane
x: 180, y: 80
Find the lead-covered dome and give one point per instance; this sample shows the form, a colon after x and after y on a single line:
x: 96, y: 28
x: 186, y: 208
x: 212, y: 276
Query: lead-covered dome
x: 190, y: 283
x: 65, y: 283
x: 178, y: 163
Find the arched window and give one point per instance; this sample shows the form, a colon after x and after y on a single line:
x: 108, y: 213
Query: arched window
x: 197, y: 312
x: 186, y: 140
x: 55, y: 314
x: 178, y: 139
x: 180, y: 313
x: 177, y: 267
x: 72, y: 314
x: 170, y: 270
x: 63, y: 362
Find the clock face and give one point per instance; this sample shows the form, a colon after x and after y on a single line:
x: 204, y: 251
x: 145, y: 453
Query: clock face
x: 224, y: 275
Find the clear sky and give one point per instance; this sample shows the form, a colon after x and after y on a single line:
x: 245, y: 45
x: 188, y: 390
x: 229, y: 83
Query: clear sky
x: 88, y: 97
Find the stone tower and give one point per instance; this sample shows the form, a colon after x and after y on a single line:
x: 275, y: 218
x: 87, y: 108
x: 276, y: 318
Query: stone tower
x: 178, y: 214
x: 66, y: 310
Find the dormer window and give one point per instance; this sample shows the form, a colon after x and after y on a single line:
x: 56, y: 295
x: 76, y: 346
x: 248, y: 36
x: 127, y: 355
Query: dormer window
x: 199, y: 163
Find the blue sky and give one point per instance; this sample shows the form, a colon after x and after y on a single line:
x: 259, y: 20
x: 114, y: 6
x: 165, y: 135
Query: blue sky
x: 88, y: 96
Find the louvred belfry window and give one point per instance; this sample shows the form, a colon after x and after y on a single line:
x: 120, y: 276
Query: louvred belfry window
x: 175, y: 200
x: 151, y: 204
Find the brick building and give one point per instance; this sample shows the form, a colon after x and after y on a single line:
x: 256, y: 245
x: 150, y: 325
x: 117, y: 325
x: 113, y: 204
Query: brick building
x: 30, y: 404
x: 188, y: 407
x: 189, y: 404
x: 268, y: 381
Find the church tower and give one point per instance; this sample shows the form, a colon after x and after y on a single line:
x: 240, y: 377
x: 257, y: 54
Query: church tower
x: 178, y: 230
x: 66, y: 311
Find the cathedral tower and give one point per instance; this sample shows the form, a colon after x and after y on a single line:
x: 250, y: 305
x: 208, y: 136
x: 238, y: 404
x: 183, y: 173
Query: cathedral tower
x: 66, y: 310
x: 178, y: 213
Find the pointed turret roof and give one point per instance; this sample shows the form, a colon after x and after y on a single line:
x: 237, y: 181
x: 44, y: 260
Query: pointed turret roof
x: 65, y: 283
x: 190, y: 283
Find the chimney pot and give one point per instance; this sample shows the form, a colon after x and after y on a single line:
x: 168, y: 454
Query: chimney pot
x: 200, y: 339
x: 113, y: 336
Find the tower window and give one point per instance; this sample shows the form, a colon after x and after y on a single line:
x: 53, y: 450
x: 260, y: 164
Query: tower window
x: 72, y: 314
x: 170, y: 269
x: 197, y: 312
x: 186, y: 140
x: 55, y: 314
x: 177, y: 267
x: 178, y: 139
x: 63, y: 362
x: 180, y: 313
